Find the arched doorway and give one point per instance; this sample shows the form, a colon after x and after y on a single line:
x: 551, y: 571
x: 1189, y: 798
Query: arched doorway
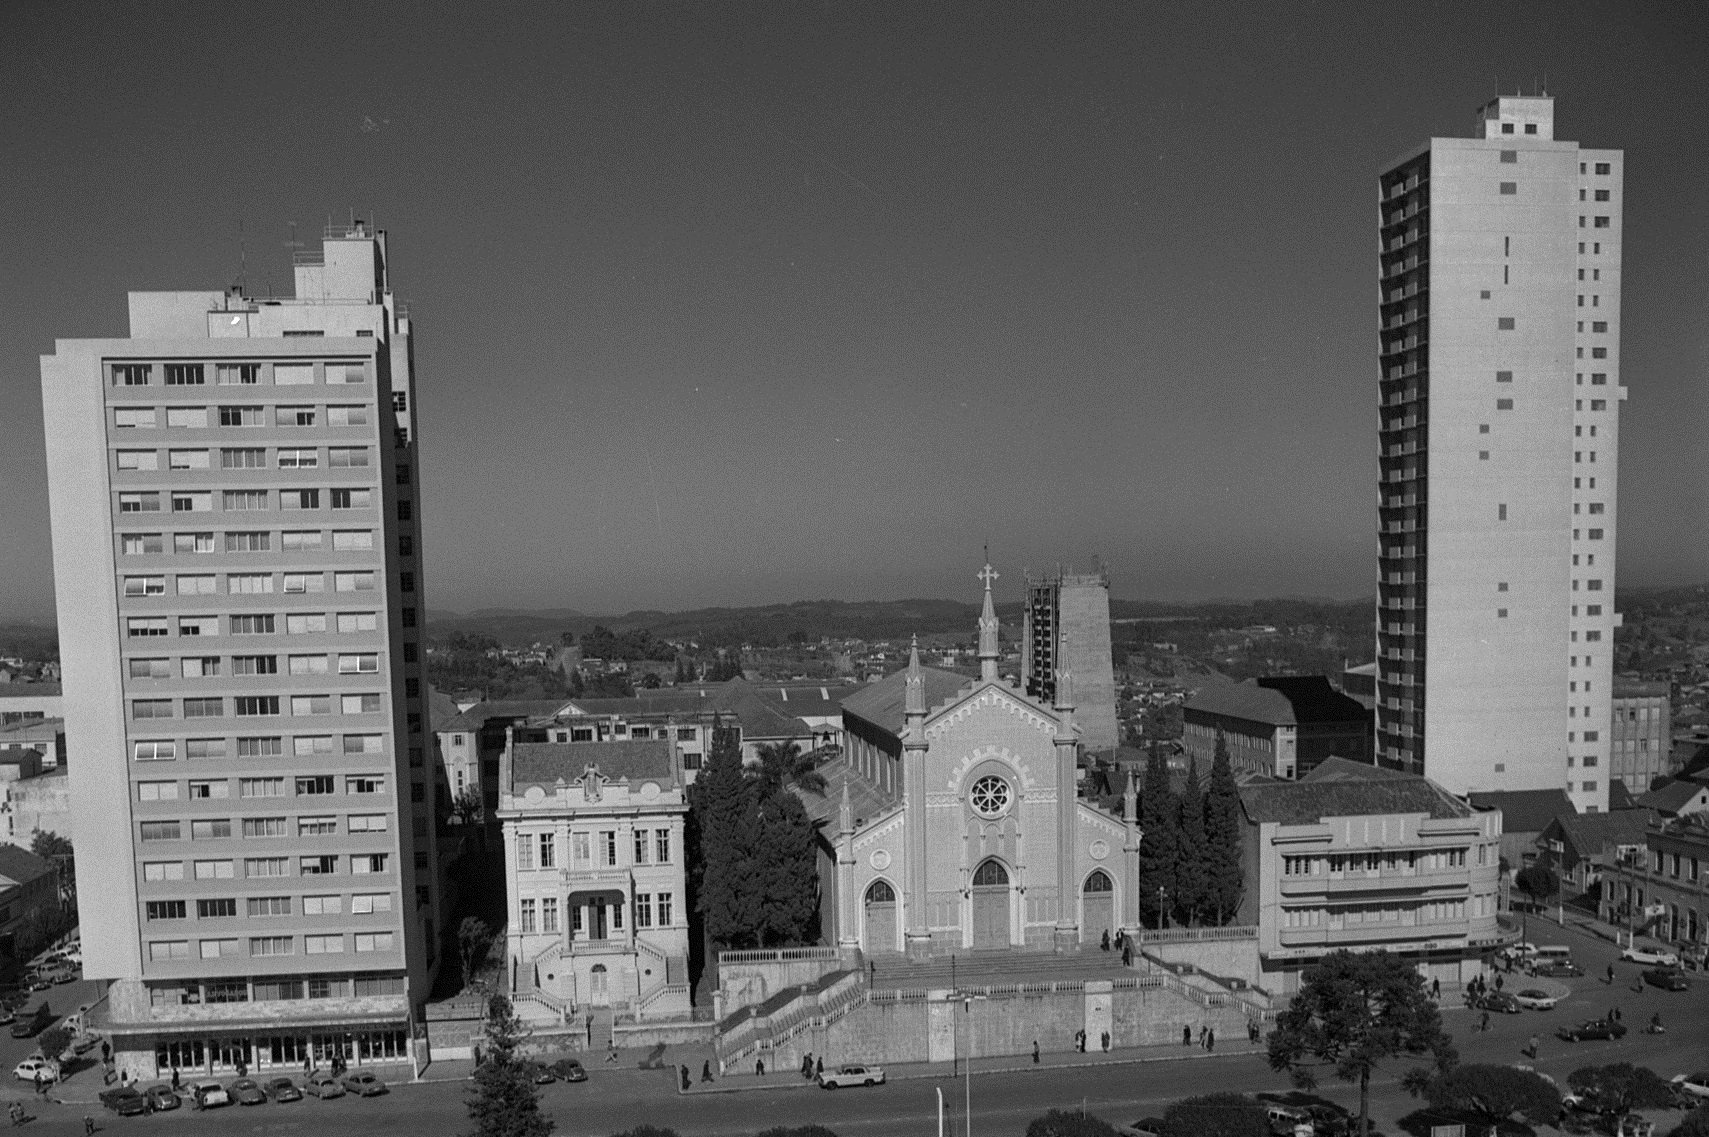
x: 1097, y: 908
x: 599, y: 986
x: 991, y: 905
x: 880, y: 923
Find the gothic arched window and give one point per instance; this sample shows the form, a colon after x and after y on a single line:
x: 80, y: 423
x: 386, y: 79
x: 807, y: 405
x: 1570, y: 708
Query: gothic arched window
x: 1099, y: 882
x: 991, y: 874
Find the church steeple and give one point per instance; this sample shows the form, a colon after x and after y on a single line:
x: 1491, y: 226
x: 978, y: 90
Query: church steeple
x: 988, y: 629
x: 914, y: 687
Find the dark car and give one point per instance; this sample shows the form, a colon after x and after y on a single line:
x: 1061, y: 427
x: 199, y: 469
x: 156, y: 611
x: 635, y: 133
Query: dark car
x: 540, y: 1075
x: 363, y: 1084
x: 1500, y: 1002
x: 323, y: 1085
x: 162, y: 1097
x: 1558, y: 970
x: 126, y: 1101
x: 1599, y: 1029
x: 246, y: 1091
x: 283, y: 1090
x: 32, y: 1024
x: 1667, y: 978
x: 568, y: 1070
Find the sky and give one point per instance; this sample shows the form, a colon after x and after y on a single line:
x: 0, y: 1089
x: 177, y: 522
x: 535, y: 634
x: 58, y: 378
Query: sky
x: 727, y: 304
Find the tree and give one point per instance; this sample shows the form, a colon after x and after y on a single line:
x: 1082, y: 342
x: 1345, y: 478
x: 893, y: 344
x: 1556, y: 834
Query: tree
x: 646, y: 1131
x: 797, y: 1131
x: 721, y: 801
x: 1696, y: 1124
x: 1494, y: 1093
x: 1617, y: 1090
x: 1224, y: 878
x: 1353, y: 1012
x: 505, y: 1101
x: 1216, y: 1115
x: 783, y: 764
x: 1157, y: 818
x: 473, y: 940
x: 467, y: 807
x: 50, y: 846
x: 1190, y: 850
x: 1539, y: 882
x: 53, y: 1041
x: 784, y: 872
x: 1060, y: 1123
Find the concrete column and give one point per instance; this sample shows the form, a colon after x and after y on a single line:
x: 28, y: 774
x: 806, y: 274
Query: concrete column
x: 914, y: 906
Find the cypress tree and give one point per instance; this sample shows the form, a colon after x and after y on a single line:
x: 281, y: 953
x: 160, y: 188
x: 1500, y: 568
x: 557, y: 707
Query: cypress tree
x: 1190, y: 875
x: 785, y: 872
x: 724, y: 804
x: 1157, y: 821
x: 1223, y: 827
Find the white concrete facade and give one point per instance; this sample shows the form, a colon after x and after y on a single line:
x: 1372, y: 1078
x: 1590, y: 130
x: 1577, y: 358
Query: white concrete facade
x: 1500, y: 393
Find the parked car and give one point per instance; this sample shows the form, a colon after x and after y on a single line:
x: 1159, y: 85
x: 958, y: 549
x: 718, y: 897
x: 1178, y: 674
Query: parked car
x: 1649, y: 955
x: 208, y: 1094
x: 852, y: 1076
x: 33, y: 1065
x: 32, y: 1024
x: 1286, y: 1120
x: 363, y: 1084
x: 1536, y: 1000
x: 1693, y: 1085
x: 126, y: 1101
x: 38, y: 981
x: 322, y: 1084
x: 1667, y: 978
x: 1599, y: 1029
x: 162, y: 1097
x: 85, y: 1042
x: 61, y: 975
x: 1144, y: 1127
x: 246, y: 1091
x: 568, y: 1070
x: 1559, y: 969
x: 1518, y: 951
x: 1501, y: 1002
x: 540, y: 1074
x: 283, y: 1090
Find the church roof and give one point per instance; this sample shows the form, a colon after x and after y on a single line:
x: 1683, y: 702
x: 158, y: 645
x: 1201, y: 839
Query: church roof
x: 1380, y: 791
x: 866, y: 798
x: 543, y: 763
x: 1525, y: 811
x: 881, y: 701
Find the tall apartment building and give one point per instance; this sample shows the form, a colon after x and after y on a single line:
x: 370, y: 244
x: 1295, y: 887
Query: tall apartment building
x: 1500, y: 391
x: 234, y: 499
x: 1066, y: 625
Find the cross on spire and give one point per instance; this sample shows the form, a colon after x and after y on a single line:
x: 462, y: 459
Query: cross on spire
x: 987, y: 574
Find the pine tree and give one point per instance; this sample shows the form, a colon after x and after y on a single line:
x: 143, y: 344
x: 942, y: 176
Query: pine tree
x: 505, y: 1102
x: 1223, y: 829
x: 784, y: 870
x: 723, y: 801
x: 1157, y: 822
x: 1190, y: 875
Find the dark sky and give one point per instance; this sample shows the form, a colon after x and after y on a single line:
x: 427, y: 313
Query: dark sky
x: 727, y: 303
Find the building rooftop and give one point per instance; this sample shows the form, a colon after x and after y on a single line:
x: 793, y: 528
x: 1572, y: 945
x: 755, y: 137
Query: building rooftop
x: 866, y: 798
x: 1640, y: 688
x: 20, y: 866
x: 1525, y: 811
x: 1278, y: 700
x: 1591, y: 833
x: 27, y: 690
x: 1343, y: 794
x: 1673, y: 798
x: 881, y: 701
x: 545, y: 763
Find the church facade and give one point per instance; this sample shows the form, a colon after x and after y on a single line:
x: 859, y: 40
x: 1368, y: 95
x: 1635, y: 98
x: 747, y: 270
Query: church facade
x: 969, y: 833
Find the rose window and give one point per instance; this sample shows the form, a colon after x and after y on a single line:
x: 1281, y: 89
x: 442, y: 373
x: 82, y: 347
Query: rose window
x: 990, y: 796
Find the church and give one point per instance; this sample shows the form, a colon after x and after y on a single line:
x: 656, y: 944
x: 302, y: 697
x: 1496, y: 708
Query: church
x: 951, y: 822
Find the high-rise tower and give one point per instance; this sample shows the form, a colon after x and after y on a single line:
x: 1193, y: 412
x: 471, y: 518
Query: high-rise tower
x: 1499, y: 398
x: 1066, y: 625
x: 237, y: 557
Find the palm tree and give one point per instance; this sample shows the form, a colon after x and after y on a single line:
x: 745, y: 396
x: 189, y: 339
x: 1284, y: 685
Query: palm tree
x: 783, y: 764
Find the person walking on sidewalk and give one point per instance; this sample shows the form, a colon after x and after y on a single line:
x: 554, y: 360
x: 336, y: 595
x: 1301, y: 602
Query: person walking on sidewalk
x: 706, y: 1070
x: 611, y: 1052
x: 1186, y: 1034
x: 1035, y: 1052
x: 1210, y: 1040
x: 1106, y: 1041
x: 759, y: 1067
x: 819, y: 1066
x: 1532, y: 1051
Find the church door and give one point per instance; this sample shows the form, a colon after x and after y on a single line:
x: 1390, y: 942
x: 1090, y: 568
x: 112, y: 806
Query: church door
x: 599, y: 989
x: 1097, y: 908
x: 991, y: 906
x: 880, y: 925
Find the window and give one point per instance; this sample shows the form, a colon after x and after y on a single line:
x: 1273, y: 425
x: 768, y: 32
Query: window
x: 347, y: 416
x: 347, y: 372
x: 662, y: 846
x: 1600, y: 222
x: 260, y: 747
x: 166, y: 909
x: 308, y: 665
x: 293, y: 374
x: 299, y: 499
x: 323, y: 905
x: 364, y: 783
x: 260, y: 787
x: 1501, y: 513
x: 139, y: 503
x: 1504, y: 324
x: 608, y: 847
x: 352, y: 540
x: 198, y: 625
x: 548, y: 851
x: 311, y: 704
x: 184, y: 375
x: 157, y: 791
x: 213, y: 909
x: 138, y: 460
x: 405, y: 511
x: 305, y: 624
x: 160, y: 951
x: 204, y: 748
x: 1509, y: 188
x: 361, y: 704
x: 254, y: 665
x: 294, y: 416
x: 365, y: 663
x: 367, y: 823
x: 364, y: 864
x: 197, y: 543
x: 526, y: 917
x: 309, y: 744
x: 642, y: 848
x: 160, y: 831
x: 162, y: 870
x: 198, y: 585
x: 128, y: 418
x: 187, y: 459
x: 192, y: 502
x: 1510, y: 156
x: 252, y: 625
x: 151, y: 708
x: 249, y: 583
x: 248, y: 542
x: 643, y: 910
x: 140, y: 627
x: 145, y: 586
x: 150, y: 668
x: 237, y: 374
x: 347, y: 457
x: 351, y: 498
x: 323, y: 945
x: 163, y: 750
x: 363, y: 744
x: 256, y: 706
x: 353, y: 581
x: 187, y: 416
x: 299, y: 540
x: 317, y: 826
x: 324, y: 864
x: 141, y: 544
x: 524, y: 854
x: 131, y: 374
x: 303, y: 582
x: 241, y: 416
x: 209, y: 789
x: 264, y: 866
x: 350, y: 622
x: 210, y: 829
x: 271, y: 945
x: 373, y: 941
x: 363, y: 903
x: 314, y: 785
x: 663, y: 901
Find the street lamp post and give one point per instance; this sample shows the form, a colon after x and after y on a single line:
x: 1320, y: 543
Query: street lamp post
x: 967, y: 1002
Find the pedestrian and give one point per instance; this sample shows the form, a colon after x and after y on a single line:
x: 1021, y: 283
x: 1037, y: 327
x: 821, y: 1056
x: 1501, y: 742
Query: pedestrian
x: 175, y: 1081
x: 1484, y: 1023
x: 590, y: 1032
x: 106, y: 1051
x: 1105, y: 943
x: 1106, y: 1042
x: 1533, y: 1050
x: 1436, y: 989
x: 1210, y: 1040
x: 611, y: 1052
x: 1186, y: 1035
x: 706, y: 1070
x: 1498, y: 982
x: 88, y: 1125
x: 1035, y: 1052
x: 686, y: 1080
x: 41, y: 1084
x: 1611, y: 975
x: 1202, y: 1029
x: 1127, y: 955
x: 759, y: 1067
x: 1617, y: 1015
x: 806, y: 1067
x: 819, y: 1067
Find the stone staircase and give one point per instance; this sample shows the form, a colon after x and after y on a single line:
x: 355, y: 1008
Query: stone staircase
x: 995, y: 969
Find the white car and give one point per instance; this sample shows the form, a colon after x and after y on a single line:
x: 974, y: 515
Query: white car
x: 34, y: 1064
x: 1518, y: 951
x: 208, y: 1094
x: 852, y: 1076
x: 1649, y: 956
x: 1697, y: 1085
x: 1536, y: 1000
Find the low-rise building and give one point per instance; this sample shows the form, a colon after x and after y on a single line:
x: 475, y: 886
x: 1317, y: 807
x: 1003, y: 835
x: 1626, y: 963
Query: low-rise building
x: 1280, y: 725
x: 1362, y: 858
x: 1640, y: 732
x: 29, y: 888
x: 35, y: 804
x: 1579, y: 848
x: 1524, y: 816
x: 1678, y: 797
x: 46, y: 736
x: 1662, y: 888
x: 595, y: 877
x: 23, y: 702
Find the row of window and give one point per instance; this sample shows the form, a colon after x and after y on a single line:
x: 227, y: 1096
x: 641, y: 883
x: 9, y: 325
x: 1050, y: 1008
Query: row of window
x: 161, y: 951
x: 260, y: 583
x: 1399, y: 913
x: 1408, y: 860
x: 240, y: 374
x: 263, y: 907
x: 243, y: 414
x: 258, y: 868
x: 652, y: 910
x: 167, y: 749
x: 540, y: 850
x: 252, y: 501
x: 245, y: 458
x: 261, y: 624
x: 257, y: 706
x: 263, y: 989
x: 210, y: 666
x: 306, y: 785
x: 221, y: 828
x: 252, y: 541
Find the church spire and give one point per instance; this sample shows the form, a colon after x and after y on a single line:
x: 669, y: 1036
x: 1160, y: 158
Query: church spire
x: 914, y: 688
x: 1064, y: 678
x: 988, y: 628
x: 845, y: 811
